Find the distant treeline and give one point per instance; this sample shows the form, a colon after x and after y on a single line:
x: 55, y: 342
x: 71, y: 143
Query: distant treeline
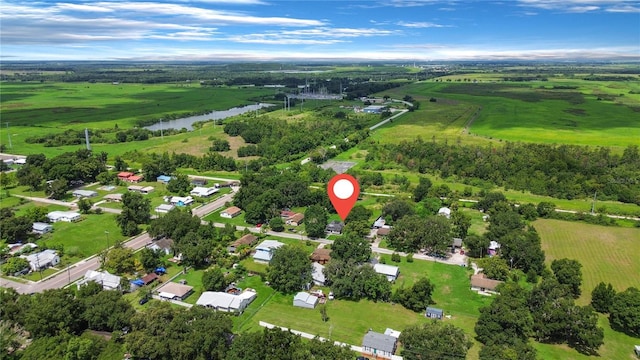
x: 98, y: 136
x: 560, y: 171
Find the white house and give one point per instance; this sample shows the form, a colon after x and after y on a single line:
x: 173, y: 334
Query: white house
x: 181, y: 200
x: 84, y: 193
x: 390, y: 271
x: 305, y: 300
x: 42, y: 228
x: 42, y: 260
x: 203, y: 191
x: 317, y: 274
x: 230, y: 212
x: 264, y: 250
x: 66, y: 216
x: 381, y: 345
x: 104, y: 278
x: 445, y: 211
x: 221, y: 301
x: 164, y: 208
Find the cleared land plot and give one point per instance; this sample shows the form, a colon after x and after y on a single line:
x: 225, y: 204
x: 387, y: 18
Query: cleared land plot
x: 86, y: 237
x: 608, y: 254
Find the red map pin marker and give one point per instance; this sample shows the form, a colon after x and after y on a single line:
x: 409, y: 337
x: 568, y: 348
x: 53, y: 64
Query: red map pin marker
x: 343, y: 192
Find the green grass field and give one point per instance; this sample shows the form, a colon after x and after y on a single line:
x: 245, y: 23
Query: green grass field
x: 350, y: 320
x: 555, y: 111
x: 84, y: 238
x: 608, y: 254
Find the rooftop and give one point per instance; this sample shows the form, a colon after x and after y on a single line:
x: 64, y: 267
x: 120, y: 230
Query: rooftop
x: 379, y: 341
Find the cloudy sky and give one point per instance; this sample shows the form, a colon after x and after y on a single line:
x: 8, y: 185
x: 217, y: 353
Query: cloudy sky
x: 414, y: 30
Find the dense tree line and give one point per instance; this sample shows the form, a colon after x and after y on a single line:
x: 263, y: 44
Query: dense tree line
x: 354, y: 281
x: 434, y: 340
x: 623, y: 307
x: 63, y: 171
x: 279, y: 140
x: 561, y: 171
x: 264, y: 194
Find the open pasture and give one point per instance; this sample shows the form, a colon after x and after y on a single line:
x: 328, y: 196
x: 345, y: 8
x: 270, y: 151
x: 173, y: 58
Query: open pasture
x: 567, y: 111
x: 608, y: 254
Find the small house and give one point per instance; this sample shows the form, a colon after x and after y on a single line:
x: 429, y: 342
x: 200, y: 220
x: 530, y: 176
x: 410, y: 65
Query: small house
x: 248, y: 240
x: 264, y: 250
x: 203, y: 191
x: 42, y: 260
x: 181, y: 200
x: 321, y: 255
x: 483, y: 285
x: 174, y: 291
x: 42, y: 228
x: 334, y: 228
x: 113, y: 197
x: 380, y: 222
x: 374, y: 109
x: 84, y: 193
x: 141, y: 189
x: 434, y: 313
x: 104, y: 278
x: 222, y: 301
x: 456, y: 243
x: 230, y: 212
x: 164, y: 208
x: 164, y: 179
x: 305, y: 300
x: 165, y: 245
x: 295, y: 219
x: 390, y: 271
x: 125, y: 175
x: 135, y: 178
x: 379, y: 345
x: 65, y: 216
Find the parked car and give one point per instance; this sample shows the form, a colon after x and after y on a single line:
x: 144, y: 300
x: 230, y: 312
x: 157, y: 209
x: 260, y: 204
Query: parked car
x: 143, y: 301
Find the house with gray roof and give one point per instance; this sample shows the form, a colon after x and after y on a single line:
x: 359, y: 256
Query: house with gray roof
x: 264, y: 250
x: 379, y: 345
x: 42, y: 260
x: 434, y: 313
x: 104, y: 278
x: 390, y: 271
x: 42, y: 228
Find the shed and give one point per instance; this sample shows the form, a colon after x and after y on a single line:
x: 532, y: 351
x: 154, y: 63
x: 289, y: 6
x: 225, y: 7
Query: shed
x: 199, y: 181
x: 42, y: 228
x: 445, y: 211
x: 379, y: 223
x: 456, y: 243
x: 149, y: 278
x: 379, y: 345
x: 434, y: 313
x: 390, y: 271
x: 305, y: 300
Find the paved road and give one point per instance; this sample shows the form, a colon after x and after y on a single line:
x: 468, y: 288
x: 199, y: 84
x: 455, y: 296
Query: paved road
x: 71, y: 274
x: 47, y: 201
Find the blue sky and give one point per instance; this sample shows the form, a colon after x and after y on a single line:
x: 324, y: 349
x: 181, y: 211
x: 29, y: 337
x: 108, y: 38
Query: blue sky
x: 412, y: 30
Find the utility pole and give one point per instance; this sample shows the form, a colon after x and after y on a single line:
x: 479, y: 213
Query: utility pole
x: 593, y: 205
x: 9, y: 135
x: 106, y: 232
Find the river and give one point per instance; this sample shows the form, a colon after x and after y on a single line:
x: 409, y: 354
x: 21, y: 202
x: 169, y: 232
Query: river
x: 187, y: 122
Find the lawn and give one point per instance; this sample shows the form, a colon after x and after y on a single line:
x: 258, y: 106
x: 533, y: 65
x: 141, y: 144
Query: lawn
x: 84, y: 238
x: 350, y: 320
x: 608, y: 254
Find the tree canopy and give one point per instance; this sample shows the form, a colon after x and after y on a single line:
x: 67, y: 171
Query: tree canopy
x: 434, y: 340
x: 290, y: 269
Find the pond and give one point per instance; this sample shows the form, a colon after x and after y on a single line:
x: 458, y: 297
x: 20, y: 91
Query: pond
x: 187, y: 122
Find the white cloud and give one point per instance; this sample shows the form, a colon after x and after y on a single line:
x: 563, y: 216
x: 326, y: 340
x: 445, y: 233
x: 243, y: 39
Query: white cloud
x: 582, y: 6
x: 624, y: 9
x: 420, y: 25
x: 316, y: 36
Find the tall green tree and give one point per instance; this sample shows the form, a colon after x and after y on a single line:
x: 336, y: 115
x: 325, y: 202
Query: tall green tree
x: 397, y: 209
x: 602, y: 297
x: 213, y: 279
x: 507, y: 319
x: 53, y: 312
x: 421, y: 191
x: 568, y: 272
x: 315, y: 221
x: 351, y: 247
x: 107, y: 311
x: 135, y: 210
x: 289, y: 269
x: 624, y: 313
x: 180, y: 185
x: 417, y: 297
x: 434, y: 340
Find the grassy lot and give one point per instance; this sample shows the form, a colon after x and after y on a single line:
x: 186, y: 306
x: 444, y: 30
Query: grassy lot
x: 608, y: 254
x: 84, y: 238
x: 350, y: 320
x: 616, y: 346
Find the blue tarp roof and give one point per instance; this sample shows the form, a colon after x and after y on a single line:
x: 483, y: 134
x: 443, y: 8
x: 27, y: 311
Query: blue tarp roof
x: 137, y: 282
x: 161, y: 269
